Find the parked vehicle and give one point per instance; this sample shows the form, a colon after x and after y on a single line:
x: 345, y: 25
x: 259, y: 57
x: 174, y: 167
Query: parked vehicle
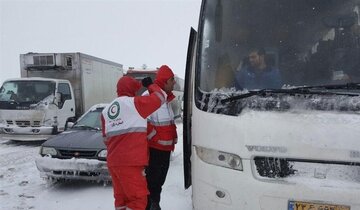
x: 54, y: 89
x: 77, y: 153
x: 177, y: 103
x: 253, y: 144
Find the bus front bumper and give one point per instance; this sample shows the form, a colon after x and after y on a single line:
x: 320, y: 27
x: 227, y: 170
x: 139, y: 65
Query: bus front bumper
x: 216, y: 187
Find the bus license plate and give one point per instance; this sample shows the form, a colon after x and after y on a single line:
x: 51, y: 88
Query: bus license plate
x: 299, y: 205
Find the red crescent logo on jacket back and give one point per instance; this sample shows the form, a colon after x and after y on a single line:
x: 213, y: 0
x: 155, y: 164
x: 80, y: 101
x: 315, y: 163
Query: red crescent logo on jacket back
x: 114, y: 110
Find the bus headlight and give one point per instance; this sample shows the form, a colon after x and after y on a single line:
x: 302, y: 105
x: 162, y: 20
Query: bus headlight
x: 48, y: 151
x: 219, y: 158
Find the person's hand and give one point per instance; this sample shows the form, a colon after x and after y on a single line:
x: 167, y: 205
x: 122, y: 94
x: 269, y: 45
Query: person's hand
x: 146, y: 81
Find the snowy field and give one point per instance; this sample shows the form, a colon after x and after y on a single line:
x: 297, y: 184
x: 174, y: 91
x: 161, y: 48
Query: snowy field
x: 22, y: 187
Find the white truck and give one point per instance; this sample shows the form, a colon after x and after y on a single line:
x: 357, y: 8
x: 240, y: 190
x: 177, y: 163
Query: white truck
x: 54, y: 88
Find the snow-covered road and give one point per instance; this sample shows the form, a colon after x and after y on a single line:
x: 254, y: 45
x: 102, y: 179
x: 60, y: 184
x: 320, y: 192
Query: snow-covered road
x: 22, y: 187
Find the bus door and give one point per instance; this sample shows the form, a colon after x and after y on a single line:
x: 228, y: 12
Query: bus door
x: 188, y: 98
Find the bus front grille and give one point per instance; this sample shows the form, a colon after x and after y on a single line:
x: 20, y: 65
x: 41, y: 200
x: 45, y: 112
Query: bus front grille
x: 289, y: 169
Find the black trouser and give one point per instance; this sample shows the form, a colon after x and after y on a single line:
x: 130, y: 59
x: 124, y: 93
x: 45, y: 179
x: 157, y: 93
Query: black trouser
x: 159, y: 162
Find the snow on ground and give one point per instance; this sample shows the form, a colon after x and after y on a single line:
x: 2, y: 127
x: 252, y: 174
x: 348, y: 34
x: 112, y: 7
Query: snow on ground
x: 22, y: 188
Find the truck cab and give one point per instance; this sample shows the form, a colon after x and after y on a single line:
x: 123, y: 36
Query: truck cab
x: 35, y: 108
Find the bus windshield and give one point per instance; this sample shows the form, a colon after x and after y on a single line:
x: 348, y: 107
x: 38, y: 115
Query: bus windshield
x: 253, y: 45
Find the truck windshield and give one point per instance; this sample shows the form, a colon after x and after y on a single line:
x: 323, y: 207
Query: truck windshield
x: 26, y: 92
x: 248, y: 45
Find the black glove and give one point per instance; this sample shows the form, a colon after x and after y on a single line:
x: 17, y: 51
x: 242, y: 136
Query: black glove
x: 146, y: 81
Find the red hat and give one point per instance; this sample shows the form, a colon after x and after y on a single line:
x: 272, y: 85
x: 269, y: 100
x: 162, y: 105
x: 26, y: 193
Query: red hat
x: 127, y: 86
x: 163, y: 75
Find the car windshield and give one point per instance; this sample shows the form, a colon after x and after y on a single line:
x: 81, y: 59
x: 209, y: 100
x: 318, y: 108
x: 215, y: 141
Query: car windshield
x: 247, y: 45
x: 90, y: 120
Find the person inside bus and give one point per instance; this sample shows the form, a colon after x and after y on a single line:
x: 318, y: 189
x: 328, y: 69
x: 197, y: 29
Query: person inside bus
x: 256, y: 73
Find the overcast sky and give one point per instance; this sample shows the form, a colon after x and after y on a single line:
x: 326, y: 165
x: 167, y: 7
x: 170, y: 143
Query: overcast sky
x: 129, y: 32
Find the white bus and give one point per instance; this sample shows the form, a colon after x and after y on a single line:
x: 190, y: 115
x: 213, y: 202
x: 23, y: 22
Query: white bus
x: 177, y: 103
x: 272, y: 105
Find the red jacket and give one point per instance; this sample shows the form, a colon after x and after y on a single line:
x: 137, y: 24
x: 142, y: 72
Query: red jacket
x: 161, y: 129
x: 124, y: 126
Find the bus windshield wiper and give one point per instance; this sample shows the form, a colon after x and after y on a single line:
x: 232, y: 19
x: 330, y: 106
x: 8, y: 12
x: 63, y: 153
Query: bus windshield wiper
x: 253, y: 93
x: 298, y: 90
x: 348, y: 86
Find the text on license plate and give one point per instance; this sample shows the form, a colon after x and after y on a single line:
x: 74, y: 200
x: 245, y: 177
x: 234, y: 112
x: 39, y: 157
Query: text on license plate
x: 299, y: 205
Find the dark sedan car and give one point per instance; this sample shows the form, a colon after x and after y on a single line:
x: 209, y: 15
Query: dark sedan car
x: 77, y: 153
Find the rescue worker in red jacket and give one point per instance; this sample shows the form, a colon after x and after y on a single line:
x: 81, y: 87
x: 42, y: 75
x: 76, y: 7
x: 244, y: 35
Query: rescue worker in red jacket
x: 124, y: 126
x: 162, y: 138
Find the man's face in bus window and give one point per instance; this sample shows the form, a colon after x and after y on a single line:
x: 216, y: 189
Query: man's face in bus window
x: 256, y: 60
x: 169, y: 85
